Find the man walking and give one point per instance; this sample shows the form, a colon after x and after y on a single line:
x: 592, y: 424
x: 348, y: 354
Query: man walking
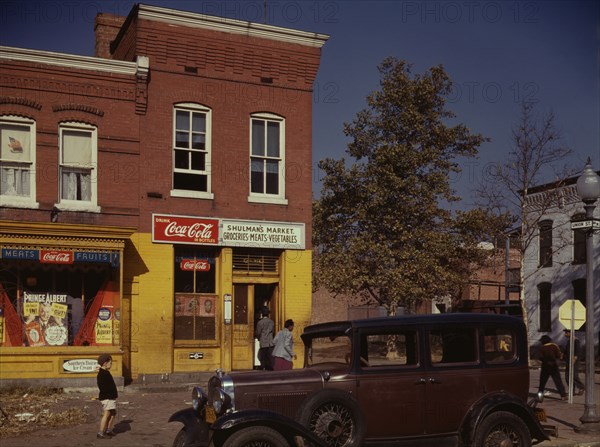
x: 264, y: 333
x: 573, y: 363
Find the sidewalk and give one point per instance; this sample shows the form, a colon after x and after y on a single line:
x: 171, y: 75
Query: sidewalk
x: 143, y: 412
x: 565, y: 416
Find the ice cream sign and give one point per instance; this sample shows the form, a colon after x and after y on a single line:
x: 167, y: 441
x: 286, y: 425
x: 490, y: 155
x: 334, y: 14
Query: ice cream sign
x: 80, y: 365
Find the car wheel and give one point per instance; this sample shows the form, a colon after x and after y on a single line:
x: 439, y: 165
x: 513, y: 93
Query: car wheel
x: 502, y: 429
x: 256, y: 437
x: 335, y: 417
x: 180, y: 438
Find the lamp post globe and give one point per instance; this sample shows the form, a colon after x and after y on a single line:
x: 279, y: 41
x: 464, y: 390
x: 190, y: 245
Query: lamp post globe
x: 588, y: 189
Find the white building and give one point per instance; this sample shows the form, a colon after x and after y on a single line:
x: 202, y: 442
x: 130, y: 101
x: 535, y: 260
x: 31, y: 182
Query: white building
x: 554, y: 264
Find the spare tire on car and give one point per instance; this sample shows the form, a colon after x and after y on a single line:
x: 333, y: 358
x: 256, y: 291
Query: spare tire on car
x: 335, y: 417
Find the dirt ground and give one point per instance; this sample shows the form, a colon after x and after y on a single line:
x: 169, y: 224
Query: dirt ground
x: 27, y: 409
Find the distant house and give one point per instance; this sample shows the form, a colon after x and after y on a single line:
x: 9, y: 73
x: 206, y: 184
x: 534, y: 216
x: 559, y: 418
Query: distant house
x: 554, y: 264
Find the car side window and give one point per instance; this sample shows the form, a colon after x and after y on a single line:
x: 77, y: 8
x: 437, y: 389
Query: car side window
x: 390, y: 349
x: 453, y: 345
x: 498, y: 345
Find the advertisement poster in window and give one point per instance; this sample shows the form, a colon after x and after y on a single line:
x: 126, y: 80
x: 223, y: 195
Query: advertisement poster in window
x: 194, y: 306
x: 45, y: 316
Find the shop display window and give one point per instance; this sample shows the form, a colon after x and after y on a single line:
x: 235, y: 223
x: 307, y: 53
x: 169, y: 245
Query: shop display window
x: 59, y: 304
x: 195, y: 294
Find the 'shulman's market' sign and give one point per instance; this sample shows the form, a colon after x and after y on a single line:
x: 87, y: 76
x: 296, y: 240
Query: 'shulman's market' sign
x: 227, y: 232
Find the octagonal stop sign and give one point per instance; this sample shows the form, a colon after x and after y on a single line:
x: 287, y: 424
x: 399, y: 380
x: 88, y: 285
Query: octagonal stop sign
x: 572, y: 309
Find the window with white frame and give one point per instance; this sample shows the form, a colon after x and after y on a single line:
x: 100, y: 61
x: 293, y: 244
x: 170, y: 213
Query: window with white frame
x: 17, y: 161
x: 267, y: 158
x: 191, y: 151
x: 78, y: 167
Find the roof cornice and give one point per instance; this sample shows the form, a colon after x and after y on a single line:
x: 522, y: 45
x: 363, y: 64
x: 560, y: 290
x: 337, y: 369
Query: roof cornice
x: 68, y: 60
x: 214, y: 23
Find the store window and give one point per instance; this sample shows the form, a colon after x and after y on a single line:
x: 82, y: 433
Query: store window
x: 59, y: 298
x: 195, y: 294
x: 267, y: 158
x: 191, y: 151
x: 78, y: 167
x: 17, y: 161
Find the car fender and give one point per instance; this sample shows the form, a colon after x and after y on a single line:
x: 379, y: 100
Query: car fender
x: 499, y: 401
x: 230, y: 423
x: 197, y: 431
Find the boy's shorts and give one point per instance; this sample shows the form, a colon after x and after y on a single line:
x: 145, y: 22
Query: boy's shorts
x: 109, y: 404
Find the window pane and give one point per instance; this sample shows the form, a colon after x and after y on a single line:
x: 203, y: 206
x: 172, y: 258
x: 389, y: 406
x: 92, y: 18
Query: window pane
x: 272, y: 177
x: 579, y: 247
x: 191, y: 182
x: 182, y: 120
x: 454, y: 345
x: 392, y: 349
x: 499, y: 346
x: 545, y: 231
x: 273, y: 139
x: 14, y: 181
x: 15, y: 141
x: 258, y: 137
x: 257, y: 177
x: 198, y: 159
x: 199, y: 122
x: 76, y: 148
x: 198, y: 141
x: 182, y: 159
x: 182, y: 139
x: 545, y: 292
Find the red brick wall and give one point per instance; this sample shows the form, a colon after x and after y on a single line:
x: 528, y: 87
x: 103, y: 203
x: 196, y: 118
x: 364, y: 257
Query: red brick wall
x: 106, y: 28
x: 52, y: 95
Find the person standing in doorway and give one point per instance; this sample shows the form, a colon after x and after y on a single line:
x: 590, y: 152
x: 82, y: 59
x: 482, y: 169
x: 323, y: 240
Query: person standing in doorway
x: 264, y: 333
x: 283, y: 352
x: 573, y: 363
x: 549, y: 355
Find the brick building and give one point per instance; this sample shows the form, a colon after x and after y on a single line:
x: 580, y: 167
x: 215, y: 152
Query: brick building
x: 155, y: 196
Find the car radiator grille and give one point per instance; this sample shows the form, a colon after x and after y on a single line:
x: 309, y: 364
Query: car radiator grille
x: 284, y: 403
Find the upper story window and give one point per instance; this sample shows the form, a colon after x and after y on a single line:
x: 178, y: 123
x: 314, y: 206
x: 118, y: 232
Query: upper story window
x: 17, y: 162
x: 545, y: 306
x: 78, y: 167
x: 579, y: 242
x: 545, y: 229
x: 267, y: 159
x: 191, y: 151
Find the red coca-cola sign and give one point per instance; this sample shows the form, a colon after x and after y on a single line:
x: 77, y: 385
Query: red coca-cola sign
x: 56, y: 257
x: 185, y: 230
x: 199, y: 265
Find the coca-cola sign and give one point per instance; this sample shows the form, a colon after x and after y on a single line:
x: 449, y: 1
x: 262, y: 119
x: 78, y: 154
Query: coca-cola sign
x: 56, y: 257
x: 199, y: 265
x: 185, y: 230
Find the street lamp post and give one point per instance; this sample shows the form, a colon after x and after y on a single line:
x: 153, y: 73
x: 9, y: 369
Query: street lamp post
x: 588, y: 189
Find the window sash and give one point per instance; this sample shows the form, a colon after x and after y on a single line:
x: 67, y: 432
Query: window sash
x: 190, y: 151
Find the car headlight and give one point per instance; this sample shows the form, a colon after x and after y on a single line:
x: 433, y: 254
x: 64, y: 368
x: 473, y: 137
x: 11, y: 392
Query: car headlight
x: 199, y: 398
x: 219, y: 402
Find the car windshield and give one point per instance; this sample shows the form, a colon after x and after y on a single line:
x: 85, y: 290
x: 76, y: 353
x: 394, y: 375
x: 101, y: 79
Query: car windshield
x: 336, y: 349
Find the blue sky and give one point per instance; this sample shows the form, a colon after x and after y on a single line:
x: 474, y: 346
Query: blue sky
x: 497, y: 53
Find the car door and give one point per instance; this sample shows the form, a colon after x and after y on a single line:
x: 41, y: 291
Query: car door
x: 453, y: 376
x: 390, y: 382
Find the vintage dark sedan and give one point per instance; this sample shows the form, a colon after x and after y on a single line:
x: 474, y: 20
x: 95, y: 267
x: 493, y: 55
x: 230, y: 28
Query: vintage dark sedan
x: 452, y: 379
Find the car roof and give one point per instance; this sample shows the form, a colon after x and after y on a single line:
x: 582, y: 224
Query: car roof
x: 341, y: 327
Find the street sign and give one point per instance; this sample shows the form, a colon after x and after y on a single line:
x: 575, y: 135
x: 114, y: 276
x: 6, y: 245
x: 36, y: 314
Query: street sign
x: 594, y: 224
x: 571, y: 314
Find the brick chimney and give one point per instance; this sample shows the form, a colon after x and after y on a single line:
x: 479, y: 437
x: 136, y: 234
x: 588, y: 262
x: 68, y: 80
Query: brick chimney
x: 106, y: 28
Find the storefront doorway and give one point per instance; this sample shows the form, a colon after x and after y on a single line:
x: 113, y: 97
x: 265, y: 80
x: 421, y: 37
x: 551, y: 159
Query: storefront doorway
x: 248, y: 299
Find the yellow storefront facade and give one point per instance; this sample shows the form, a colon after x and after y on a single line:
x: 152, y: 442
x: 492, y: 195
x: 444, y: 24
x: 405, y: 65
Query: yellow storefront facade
x: 165, y: 304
